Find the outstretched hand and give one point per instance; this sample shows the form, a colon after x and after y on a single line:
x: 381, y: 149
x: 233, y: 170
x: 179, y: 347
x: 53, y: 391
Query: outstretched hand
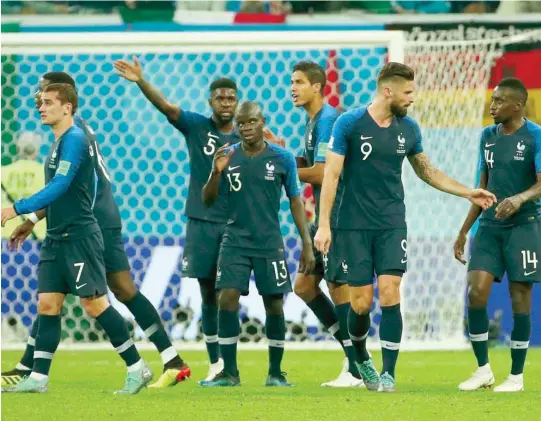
x: 130, y: 71
x: 483, y: 198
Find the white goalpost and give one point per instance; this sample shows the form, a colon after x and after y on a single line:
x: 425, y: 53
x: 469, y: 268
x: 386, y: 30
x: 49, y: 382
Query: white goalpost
x: 149, y: 166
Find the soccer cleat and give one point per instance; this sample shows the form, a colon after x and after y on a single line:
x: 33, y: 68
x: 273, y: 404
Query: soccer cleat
x: 171, y: 377
x: 136, y: 380
x: 481, y: 379
x: 13, y: 377
x: 513, y: 383
x: 369, y: 374
x: 215, y: 369
x: 222, y: 379
x: 28, y: 385
x: 345, y: 378
x: 277, y: 381
x: 386, y: 383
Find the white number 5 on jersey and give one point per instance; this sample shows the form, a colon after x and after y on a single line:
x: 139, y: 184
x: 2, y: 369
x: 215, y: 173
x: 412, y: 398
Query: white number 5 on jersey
x: 210, y: 147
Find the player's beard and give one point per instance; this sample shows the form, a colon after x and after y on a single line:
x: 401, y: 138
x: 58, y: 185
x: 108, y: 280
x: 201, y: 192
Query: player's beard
x: 399, y: 111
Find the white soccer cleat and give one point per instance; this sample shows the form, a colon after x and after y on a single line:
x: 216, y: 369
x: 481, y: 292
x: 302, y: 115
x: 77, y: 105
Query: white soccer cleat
x: 513, y: 383
x: 345, y: 378
x: 481, y: 379
x: 215, y: 369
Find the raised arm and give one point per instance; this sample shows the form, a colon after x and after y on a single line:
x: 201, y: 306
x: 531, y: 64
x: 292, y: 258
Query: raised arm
x: 134, y: 73
x: 211, y: 189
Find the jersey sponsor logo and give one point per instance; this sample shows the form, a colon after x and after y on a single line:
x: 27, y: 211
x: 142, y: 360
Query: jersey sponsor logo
x: 529, y: 273
x: 519, y: 155
x: 270, y: 172
x: 63, y: 167
x: 488, y: 145
x: 401, y: 144
x: 279, y: 284
x: 233, y: 168
x: 366, y: 137
x: 210, y: 134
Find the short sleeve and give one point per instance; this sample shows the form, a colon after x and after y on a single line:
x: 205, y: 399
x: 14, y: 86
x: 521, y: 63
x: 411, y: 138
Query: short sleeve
x: 338, y: 142
x: 481, y: 162
x: 187, y: 120
x: 536, y: 132
x: 324, y: 133
x: 292, y: 182
x: 417, y: 147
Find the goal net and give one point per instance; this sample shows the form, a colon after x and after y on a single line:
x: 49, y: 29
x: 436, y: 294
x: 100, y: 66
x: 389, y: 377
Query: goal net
x: 148, y: 162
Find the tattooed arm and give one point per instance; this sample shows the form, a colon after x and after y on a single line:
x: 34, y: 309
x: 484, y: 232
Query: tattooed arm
x: 439, y: 180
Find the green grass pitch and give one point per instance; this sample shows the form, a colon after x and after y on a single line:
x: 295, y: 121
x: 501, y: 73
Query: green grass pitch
x: 82, y: 383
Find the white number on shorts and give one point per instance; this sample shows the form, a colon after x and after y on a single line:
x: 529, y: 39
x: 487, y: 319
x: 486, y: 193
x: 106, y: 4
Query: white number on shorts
x: 234, y: 183
x: 529, y: 257
x: 81, y: 267
x: 282, y: 273
x: 404, y: 245
x: 366, y: 149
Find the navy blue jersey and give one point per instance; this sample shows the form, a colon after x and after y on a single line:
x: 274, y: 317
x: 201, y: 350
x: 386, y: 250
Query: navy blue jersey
x: 372, y: 195
x: 254, y: 186
x: 316, y: 140
x: 71, y: 188
x: 203, y: 139
x: 105, y: 208
x: 511, y: 163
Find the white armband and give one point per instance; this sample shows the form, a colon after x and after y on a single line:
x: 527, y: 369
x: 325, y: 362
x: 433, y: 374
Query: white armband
x: 33, y: 218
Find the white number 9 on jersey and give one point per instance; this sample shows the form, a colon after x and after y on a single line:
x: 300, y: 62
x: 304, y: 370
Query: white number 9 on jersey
x: 366, y: 150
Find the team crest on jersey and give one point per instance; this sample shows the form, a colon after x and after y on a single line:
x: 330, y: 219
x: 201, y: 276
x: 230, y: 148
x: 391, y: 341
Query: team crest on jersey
x: 401, y: 144
x: 51, y: 161
x: 519, y: 155
x: 91, y: 150
x: 184, y: 263
x: 270, y: 172
x: 218, y: 274
x: 344, y: 267
x: 309, y: 143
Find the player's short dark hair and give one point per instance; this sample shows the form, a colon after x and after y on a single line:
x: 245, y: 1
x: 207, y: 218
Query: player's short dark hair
x: 223, y: 82
x: 517, y: 86
x: 59, y: 77
x: 66, y: 94
x: 313, y: 71
x: 393, y: 70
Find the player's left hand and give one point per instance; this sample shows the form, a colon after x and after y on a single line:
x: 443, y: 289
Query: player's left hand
x: 508, y: 207
x: 7, y: 214
x: 308, y: 261
x: 322, y: 240
x: 483, y: 198
x: 271, y: 137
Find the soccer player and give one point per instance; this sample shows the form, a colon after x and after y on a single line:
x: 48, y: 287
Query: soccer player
x: 369, y: 144
x: 254, y: 173
x: 307, y: 85
x: 509, y: 236
x: 71, y: 257
x: 204, y: 135
x: 117, y: 266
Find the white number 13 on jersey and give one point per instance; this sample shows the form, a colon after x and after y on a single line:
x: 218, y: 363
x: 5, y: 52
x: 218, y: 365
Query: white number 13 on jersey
x: 234, y: 182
